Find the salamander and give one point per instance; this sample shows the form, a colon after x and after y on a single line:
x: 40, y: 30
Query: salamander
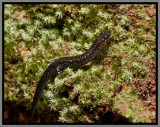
x: 59, y: 65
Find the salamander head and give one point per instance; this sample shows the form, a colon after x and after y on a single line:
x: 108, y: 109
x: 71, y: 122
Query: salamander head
x: 105, y: 35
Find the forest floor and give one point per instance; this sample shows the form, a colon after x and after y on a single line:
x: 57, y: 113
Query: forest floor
x: 146, y: 91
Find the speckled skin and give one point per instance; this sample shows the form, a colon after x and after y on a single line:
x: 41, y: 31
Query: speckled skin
x: 76, y: 61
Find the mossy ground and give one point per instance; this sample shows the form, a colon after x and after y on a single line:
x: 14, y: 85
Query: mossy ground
x: 36, y: 35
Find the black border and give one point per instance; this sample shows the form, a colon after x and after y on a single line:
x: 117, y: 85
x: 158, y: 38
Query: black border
x: 3, y: 3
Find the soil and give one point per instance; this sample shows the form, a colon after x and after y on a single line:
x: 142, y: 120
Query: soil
x: 147, y: 90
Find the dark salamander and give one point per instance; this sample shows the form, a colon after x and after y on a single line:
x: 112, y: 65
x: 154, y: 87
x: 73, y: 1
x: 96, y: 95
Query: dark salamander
x: 61, y: 64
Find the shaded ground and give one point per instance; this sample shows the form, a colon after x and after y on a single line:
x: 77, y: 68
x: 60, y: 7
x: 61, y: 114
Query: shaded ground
x: 17, y: 114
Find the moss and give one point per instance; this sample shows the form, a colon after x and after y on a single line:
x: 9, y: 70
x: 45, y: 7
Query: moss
x: 35, y: 34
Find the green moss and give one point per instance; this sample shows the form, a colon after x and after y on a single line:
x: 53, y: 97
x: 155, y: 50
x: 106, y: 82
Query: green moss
x: 35, y: 34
